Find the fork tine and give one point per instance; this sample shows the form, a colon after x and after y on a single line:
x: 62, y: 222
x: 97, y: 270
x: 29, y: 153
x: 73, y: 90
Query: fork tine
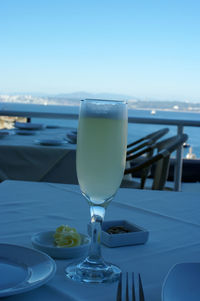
x: 119, y: 289
x: 133, y: 287
x: 127, y: 294
x: 129, y: 280
x: 141, y: 291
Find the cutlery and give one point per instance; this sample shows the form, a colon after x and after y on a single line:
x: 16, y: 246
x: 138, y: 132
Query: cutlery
x: 126, y: 290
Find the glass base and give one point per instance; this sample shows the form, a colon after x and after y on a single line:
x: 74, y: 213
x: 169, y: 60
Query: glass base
x: 89, y: 272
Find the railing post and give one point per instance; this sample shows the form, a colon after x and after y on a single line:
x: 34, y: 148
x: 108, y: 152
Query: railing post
x: 178, y: 163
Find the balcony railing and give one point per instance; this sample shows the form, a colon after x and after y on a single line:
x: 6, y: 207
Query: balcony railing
x: 64, y: 113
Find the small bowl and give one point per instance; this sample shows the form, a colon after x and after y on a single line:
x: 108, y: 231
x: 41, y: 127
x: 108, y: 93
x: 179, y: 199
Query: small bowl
x: 136, y: 235
x: 44, y: 241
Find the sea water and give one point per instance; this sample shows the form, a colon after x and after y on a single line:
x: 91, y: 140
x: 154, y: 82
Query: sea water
x: 135, y: 131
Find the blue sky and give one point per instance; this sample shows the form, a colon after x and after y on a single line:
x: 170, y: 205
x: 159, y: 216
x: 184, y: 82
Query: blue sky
x: 143, y: 48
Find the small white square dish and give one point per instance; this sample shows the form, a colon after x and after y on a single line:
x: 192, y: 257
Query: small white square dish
x: 118, y: 233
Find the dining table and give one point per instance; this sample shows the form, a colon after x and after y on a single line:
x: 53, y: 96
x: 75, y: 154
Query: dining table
x: 42, y: 154
x: 171, y: 218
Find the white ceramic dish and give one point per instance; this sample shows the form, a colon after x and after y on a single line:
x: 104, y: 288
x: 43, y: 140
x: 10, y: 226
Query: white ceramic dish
x: 29, y: 126
x: 182, y: 283
x: 23, y: 269
x: 136, y: 235
x: 44, y: 241
x: 50, y: 142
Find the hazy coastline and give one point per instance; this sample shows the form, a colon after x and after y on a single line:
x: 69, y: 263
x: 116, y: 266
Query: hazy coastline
x: 73, y: 99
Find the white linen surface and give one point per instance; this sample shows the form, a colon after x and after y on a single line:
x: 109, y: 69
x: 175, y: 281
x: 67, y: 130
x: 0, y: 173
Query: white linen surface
x: 172, y: 219
x: 22, y: 159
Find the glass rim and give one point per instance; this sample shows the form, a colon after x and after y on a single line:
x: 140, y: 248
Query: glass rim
x: 114, y: 101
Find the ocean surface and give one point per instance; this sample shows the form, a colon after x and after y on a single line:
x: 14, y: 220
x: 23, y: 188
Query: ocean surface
x: 135, y: 131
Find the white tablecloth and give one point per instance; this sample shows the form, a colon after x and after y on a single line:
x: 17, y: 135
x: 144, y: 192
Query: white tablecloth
x: 22, y: 159
x: 172, y: 219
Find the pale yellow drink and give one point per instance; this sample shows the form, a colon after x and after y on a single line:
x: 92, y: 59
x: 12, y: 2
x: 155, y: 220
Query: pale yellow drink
x: 101, y: 155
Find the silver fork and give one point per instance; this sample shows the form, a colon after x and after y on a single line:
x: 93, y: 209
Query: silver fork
x: 126, y: 290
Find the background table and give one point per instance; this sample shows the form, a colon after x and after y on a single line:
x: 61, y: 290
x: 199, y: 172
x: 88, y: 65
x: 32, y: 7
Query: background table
x: 22, y: 159
x: 172, y: 219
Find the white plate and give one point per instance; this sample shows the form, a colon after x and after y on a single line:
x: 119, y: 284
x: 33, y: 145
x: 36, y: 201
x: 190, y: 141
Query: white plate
x: 50, y: 142
x: 44, y: 241
x: 182, y: 283
x: 23, y: 269
x: 3, y: 134
x: 24, y: 132
x: 29, y: 126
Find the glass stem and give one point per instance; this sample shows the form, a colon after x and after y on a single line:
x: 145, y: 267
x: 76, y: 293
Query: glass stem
x: 97, y: 216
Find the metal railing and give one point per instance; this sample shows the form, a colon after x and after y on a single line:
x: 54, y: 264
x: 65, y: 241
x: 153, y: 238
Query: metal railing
x: 180, y: 124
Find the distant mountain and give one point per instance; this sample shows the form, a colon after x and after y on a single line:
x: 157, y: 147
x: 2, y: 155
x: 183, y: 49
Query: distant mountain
x: 76, y: 95
x: 73, y: 99
x: 83, y: 95
x: 103, y: 95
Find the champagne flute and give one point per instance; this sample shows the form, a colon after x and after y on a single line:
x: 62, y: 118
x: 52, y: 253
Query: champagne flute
x: 100, y: 163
